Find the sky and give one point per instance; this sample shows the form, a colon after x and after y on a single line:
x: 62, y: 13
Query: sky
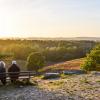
x: 49, y: 18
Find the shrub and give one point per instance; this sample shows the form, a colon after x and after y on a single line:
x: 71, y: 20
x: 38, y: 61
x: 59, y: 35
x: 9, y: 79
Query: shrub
x: 35, y: 61
x: 95, y: 55
x: 92, y: 60
x: 89, y: 65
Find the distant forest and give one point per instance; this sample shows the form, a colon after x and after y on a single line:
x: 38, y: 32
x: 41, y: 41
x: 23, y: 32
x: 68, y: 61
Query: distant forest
x: 53, y: 51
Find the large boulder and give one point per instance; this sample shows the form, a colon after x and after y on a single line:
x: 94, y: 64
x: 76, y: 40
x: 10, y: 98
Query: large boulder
x: 51, y: 75
x: 73, y: 72
x: 95, y: 72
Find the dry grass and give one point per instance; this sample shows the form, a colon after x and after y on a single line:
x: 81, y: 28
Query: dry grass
x: 73, y: 64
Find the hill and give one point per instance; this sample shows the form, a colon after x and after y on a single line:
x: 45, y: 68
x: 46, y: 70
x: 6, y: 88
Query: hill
x: 67, y: 65
x: 67, y: 38
x: 55, y: 38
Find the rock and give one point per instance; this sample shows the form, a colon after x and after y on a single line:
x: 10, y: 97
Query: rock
x: 51, y: 75
x: 95, y: 72
x: 73, y: 72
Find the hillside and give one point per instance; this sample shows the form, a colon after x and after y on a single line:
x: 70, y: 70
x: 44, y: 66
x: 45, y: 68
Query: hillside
x: 54, y: 38
x: 67, y: 38
x: 67, y: 65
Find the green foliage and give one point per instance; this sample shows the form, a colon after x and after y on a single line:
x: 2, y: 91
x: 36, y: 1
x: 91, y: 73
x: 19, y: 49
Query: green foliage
x: 89, y: 65
x: 95, y: 54
x: 66, y: 52
x: 84, y: 80
x: 35, y: 61
x: 92, y: 60
x: 54, y: 51
x: 5, y: 55
x: 20, y: 51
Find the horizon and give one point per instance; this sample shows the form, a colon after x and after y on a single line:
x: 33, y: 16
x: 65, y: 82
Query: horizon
x: 49, y: 18
x: 49, y: 38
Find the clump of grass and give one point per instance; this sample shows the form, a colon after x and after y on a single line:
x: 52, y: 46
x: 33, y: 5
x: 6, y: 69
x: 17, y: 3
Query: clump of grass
x: 64, y: 76
x: 84, y: 80
x: 90, y: 88
x: 58, y: 83
x: 98, y: 81
x: 25, y: 83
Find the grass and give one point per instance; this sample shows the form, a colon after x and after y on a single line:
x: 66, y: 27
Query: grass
x: 84, y: 80
x: 57, y: 83
x: 72, y: 64
x: 98, y: 81
x: 63, y: 76
x: 52, y: 85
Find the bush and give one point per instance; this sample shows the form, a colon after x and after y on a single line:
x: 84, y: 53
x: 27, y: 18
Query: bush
x: 35, y: 61
x: 92, y: 60
x: 95, y: 55
x: 89, y: 65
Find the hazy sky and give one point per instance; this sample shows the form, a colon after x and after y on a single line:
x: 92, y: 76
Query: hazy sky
x: 49, y: 18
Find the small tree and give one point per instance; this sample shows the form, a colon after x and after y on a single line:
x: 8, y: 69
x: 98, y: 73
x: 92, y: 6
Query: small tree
x: 92, y: 60
x: 95, y: 55
x: 89, y: 65
x: 35, y: 61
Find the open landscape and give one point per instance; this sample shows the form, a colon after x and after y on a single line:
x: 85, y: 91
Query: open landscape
x: 67, y: 56
x: 49, y: 49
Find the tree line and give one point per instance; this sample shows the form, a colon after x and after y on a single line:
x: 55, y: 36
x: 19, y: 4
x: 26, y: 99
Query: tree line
x: 53, y: 51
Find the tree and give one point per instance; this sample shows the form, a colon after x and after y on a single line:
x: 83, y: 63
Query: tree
x: 89, y: 65
x: 35, y: 61
x: 92, y: 60
x: 95, y: 54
